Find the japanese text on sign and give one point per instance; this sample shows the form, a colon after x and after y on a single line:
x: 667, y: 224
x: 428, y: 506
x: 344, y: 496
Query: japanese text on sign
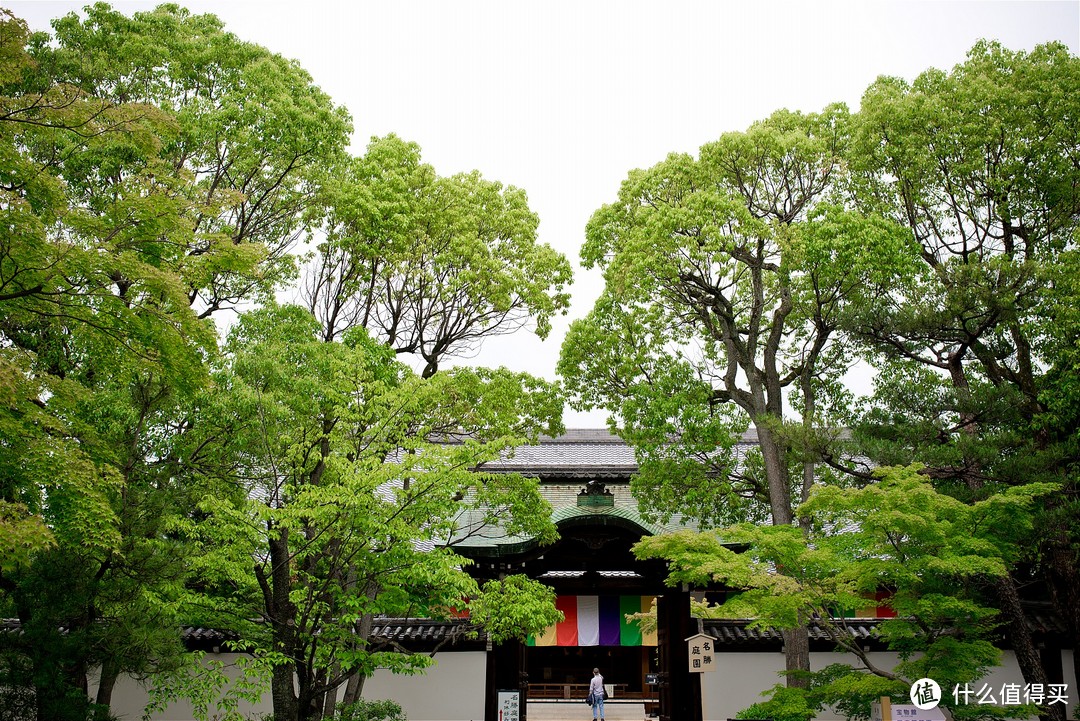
x: 509, y: 705
x: 701, y: 649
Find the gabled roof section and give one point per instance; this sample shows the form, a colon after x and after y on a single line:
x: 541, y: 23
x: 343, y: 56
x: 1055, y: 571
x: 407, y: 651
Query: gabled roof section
x: 623, y: 516
x: 578, y: 453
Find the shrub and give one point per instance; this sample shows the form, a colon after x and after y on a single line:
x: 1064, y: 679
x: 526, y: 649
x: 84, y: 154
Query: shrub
x: 365, y: 710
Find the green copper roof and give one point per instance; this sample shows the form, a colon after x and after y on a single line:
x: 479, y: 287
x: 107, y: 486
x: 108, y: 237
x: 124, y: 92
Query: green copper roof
x: 603, y: 515
x: 494, y: 543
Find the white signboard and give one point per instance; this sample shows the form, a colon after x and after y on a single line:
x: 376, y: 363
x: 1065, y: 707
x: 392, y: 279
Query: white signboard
x: 509, y: 705
x: 700, y: 649
x: 887, y: 711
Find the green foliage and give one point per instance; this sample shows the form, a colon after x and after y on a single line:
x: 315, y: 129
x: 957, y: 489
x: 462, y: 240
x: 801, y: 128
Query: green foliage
x: 974, y: 345
x: 251, y: 138
x: 934, y: 554
x: 431, y: 265
x: 213, y: 689
x: 130, y: 198
x: 976, y: 164
x: 365, y: 710
x: 786, y: 704
x: 727, y: 276
x: 513, y: 608
x: 348, y: 501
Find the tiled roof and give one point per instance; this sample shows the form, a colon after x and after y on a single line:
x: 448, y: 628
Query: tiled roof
x: 739, y: 632
x: 402, y: 630
x: 733, y: 634
x: 581, y: 453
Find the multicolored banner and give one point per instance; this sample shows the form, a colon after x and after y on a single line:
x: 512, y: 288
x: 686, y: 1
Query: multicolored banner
x: 597, y: 621
x: 871, y: 610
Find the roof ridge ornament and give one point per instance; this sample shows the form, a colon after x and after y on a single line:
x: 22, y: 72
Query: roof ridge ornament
x: 595, y: 494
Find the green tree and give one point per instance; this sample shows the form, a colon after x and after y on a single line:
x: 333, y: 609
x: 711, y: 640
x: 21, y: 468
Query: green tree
x: 140, y: 196
x: 349, y: 503
x: 981, y: 165
x: 939, y: 557
x: 726, y: 279
x: 90, y: 318
x: 253, y: 138
x: 430, y: 265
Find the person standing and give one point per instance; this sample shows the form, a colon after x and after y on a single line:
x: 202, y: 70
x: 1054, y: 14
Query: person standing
x: 596, y: 693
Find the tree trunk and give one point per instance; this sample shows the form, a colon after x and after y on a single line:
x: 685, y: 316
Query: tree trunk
x: 329, y: 703
x: 1065, y: 593
x: 776, y: 473
x: 1019, y: 635
x: 282, y: 619
x: 109, y: 674
x: 1017, y: 630
x: 354, y: 689
x: 796, y: 640
x: 797, y: 656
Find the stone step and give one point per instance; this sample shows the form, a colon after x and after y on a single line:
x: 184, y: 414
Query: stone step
x: 579, y: 711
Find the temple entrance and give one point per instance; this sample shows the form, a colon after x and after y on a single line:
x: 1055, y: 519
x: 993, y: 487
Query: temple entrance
x: 559, y: 680
x: 600, y: 585
x: 556, y: 673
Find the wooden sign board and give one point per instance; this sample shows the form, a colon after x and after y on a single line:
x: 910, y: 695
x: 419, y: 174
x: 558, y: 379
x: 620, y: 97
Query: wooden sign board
x: 701, y: 651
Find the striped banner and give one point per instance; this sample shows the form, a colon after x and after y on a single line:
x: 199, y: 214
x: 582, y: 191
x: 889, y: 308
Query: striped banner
x: 871, y: 610
x: 597, y: 621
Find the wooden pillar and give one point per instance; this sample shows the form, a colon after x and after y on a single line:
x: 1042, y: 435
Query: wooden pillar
x: 505, y: 670
x: 680, y: 690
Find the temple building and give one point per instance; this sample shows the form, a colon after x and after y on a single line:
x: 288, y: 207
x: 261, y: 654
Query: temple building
x: 650, y: 671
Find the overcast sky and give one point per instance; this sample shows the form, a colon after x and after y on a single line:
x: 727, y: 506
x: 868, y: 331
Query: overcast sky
x: 564, y: 98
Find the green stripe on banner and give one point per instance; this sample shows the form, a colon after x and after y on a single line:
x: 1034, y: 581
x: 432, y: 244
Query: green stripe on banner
x: 629, y: 633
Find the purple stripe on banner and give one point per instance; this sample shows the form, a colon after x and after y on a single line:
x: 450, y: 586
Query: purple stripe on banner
x: 609, y: 620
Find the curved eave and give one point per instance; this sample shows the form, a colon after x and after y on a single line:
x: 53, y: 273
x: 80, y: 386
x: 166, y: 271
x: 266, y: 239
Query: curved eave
x: 619, y: 517
x: 565, y: 518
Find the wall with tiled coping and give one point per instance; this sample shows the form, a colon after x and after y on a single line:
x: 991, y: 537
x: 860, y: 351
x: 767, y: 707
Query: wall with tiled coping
x: 453, y: 689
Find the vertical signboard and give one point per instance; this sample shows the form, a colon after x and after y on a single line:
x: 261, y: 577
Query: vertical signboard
x: 700, y: 650
x: 509, y: 705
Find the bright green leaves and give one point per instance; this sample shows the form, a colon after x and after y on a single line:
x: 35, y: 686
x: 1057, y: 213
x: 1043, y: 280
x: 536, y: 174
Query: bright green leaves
x: 727, y: 277
x: 249, y: 139
x: 155, y: 169
x: 513, y: 608
x: 980, y: 156
x: 920, y: 533
x: 936, y: 557
x: 22, y: 536
x: 431, y: 265
x: 348, y: 479
x: 85, y: 270
x: 138, y: 180
x: 977, y: 163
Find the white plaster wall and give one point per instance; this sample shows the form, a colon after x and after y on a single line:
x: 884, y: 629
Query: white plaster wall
x: 130, y: 697
x: 741, y: 678
x: 453, y: 689
x: 450, y: 690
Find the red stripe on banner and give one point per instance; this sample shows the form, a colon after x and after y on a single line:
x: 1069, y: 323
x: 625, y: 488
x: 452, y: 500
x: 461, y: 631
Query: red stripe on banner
x: 566, y: 630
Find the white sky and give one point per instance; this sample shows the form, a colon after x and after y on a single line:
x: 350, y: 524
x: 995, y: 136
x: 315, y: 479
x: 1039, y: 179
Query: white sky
x: 564, y: 98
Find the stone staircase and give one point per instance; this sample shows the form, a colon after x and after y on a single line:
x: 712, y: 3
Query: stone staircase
x: 614, y: 710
